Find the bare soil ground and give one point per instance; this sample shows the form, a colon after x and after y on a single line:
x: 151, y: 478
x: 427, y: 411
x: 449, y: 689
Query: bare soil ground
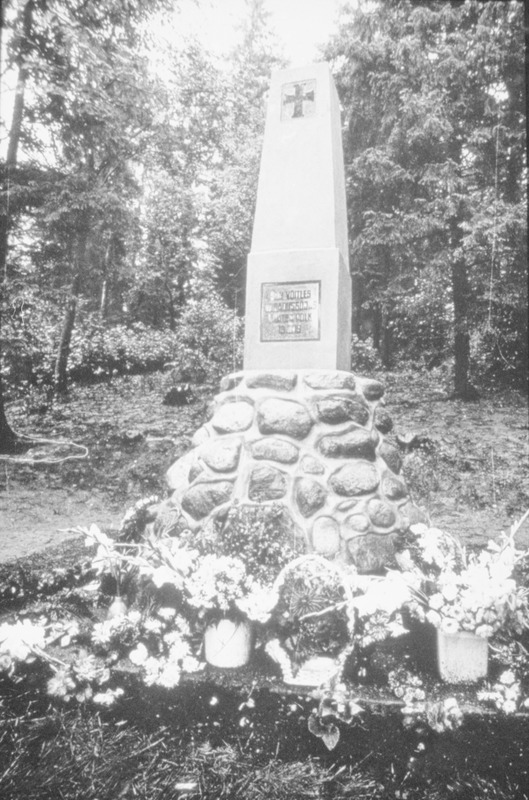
x: 468, y: 464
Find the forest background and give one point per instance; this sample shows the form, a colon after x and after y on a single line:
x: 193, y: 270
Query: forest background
x: 130, y: 173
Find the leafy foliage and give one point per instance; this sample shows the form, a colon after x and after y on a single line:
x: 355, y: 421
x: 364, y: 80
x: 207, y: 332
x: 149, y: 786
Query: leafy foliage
x: 435, y: 147
x: 262, y: 533
x: 205, y: 344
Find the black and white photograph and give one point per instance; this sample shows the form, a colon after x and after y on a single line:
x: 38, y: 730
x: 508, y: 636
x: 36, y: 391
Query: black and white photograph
x: 264, y: 400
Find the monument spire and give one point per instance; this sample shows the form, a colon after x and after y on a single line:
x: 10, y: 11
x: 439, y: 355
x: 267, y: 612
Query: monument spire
x: 298, y: 290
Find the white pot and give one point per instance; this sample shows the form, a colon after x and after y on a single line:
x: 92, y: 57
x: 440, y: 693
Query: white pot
x: 462, y: 657
x: 228, y: 643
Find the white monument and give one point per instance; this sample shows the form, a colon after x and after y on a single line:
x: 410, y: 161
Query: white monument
x: 295, y: 426
x: 298, y: 290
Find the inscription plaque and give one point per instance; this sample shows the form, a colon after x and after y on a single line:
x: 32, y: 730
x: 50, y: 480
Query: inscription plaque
x: 290, y: 311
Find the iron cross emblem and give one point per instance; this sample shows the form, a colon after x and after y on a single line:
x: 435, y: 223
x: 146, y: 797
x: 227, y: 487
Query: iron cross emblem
x: 298, y: 99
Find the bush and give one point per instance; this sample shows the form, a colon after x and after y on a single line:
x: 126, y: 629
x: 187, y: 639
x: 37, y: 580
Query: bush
x: 28, y: 343
x: 499, y: 355
x: 98, y: 351
x: 206, y: 344
x: 209, y: 340
x: 364, y: 357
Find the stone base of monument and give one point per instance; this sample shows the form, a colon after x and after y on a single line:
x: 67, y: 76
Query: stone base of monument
x: 311, y: 441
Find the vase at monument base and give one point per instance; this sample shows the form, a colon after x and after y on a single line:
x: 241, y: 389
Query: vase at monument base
x: 311, y: 441
x: 228, y: 643
x: 462, y: 657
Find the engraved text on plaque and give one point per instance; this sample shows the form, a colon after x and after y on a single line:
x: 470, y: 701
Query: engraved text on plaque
x: 290, y: 311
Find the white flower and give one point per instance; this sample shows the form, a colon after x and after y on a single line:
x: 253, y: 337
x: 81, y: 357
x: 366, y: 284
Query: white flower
x: 191, y: 664
x: 95, y: 536
x: 512, y: 692
x: 259, y: 604
x: 396, y: 628
x: 449, y: 625
x: 509, y: 707
x: 182, y: 626
x: 151, y: 625
x: 21, y: 638
x: 436, y: 601
x: 419, y: 528
x: 139, y: 655
x: 166, y: 613
x: 178, y: 649
x: 102, y: 632
x: 169, y: 676
x: 6, y: 663
x: 507, y: 677
x: 386, y: 595
x: 485, y: 631
x: 449, y: 591
x: 107, y: 698
x: 429, y: 542
x: 217, y: 582
x: 151, y: 670
x: 164, y: 574
x: 434, y: 618
x: 179, y: 558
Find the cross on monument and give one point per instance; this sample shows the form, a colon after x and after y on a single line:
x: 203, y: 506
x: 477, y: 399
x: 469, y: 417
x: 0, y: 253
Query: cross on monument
x: 298, y: 98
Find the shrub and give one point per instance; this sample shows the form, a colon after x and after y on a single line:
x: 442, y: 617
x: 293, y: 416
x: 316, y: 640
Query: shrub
x: 206, y: 344
x: 364, y: 356
x: 209, y: 337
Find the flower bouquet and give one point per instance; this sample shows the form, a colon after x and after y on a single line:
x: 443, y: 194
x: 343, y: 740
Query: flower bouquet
x: 466, y: 596
x: 229, y: 600
x: 147, y: 622
x: 313, y: 621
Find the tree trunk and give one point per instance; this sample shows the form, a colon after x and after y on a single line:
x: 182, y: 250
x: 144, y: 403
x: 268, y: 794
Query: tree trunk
x: 9, y: 442
x: 107, y: 260
x: 377, y: 327
x: 61, y: 364
x: 103, y: 303
x: 385, y: 345
x: 461, y: 300
x: 357, y: 299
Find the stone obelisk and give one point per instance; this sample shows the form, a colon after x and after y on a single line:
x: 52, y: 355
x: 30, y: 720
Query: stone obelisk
x: 298, y: 291
x: 295, y: 427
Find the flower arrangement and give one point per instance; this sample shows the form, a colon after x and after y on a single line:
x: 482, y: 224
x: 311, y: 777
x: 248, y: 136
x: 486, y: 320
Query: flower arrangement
x: 466, y: 591
x: 262, y: 533
x: 180, y: 592
x: 378, y: 602
x: 164, y: 651
x: 220, y: 586
x: 156, y: 636
x: 21, y: 641
x: 505, y: 694
x: 311, y: 609
x: 313, y: 620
